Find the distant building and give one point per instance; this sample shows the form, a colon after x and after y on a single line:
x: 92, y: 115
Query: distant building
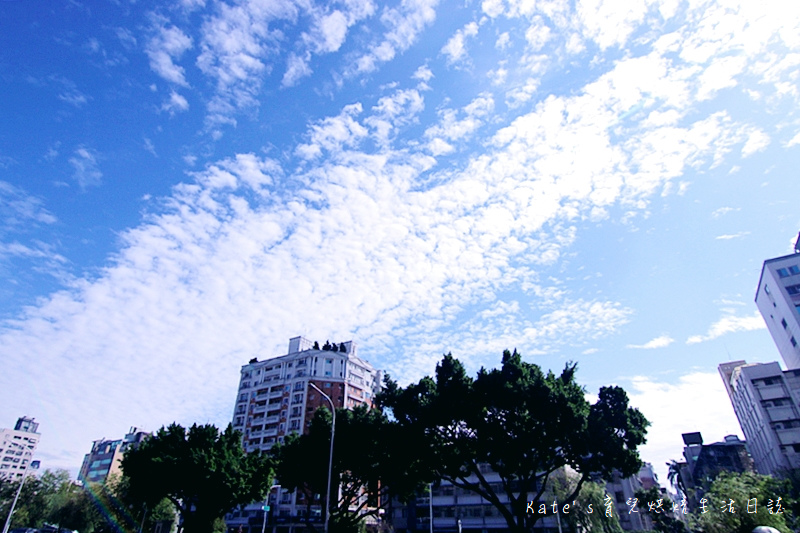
x: 275, y: 399
x: 765, y: 400
x: 17, y: 447
x: 624, y: 491
x: 778, y: 300
x: 704, y: 462
x: 456, y: 510
x: 106, y: 456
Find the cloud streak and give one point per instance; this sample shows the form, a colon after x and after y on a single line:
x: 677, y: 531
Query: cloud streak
x: 729, y: 324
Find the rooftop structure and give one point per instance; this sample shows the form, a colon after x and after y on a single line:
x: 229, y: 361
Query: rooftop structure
x: 106, y: 456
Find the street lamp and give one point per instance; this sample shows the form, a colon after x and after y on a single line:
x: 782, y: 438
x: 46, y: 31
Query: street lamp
x: 31, y: 464
x: 330, y: 457
x: 266, y: 507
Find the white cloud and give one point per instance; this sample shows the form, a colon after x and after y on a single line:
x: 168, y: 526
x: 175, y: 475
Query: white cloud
x: 176, y: 103
x: 659, y: 342
x: 423, y: 73
x: 730, y: 236
x: 793, y: 141
x: 235, y: 45
x: 757, y: 141
x: 18, y: 209
x: 166, y: 46
x: 729, y: 324
x: 357, y: 233
x: 85, y: 169
x: 331, y: 30
x: 296, y: 68
x: 74, y: 98
x: 404, y: 24
x: 334, y: 133
x: 724, y: 211
x: 455, y: 49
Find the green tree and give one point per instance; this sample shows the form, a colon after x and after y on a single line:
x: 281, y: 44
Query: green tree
x: 736, y: 490
x: 203, y: 472
x: 587, y: 508
x: 664, y: 521
x: 367, y: 465
x: 524, y: 423
x: 117, y: 512
x: 36, y: 501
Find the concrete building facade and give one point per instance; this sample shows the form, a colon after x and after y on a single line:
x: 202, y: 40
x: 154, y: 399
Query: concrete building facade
x: 275, y: 398
x: 17, y: 447
x: 106, y: 456
x: 778, y: 300
x: 765, y: 399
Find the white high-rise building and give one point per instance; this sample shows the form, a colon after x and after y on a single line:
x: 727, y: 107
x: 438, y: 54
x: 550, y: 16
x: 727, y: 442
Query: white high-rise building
x: 275, y: 398
x: 17, y: 447
x: 778, y: 299
x: 765, y: 400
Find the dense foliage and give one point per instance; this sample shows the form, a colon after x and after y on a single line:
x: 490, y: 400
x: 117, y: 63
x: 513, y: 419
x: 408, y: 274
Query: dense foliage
x: 523, y: 423
x: 726, y: 504
x: 369, y: 465
x: 203, y: 472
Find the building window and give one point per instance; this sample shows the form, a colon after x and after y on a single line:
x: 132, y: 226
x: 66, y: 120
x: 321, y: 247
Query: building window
x: 782, y: 272
x: 766, y: 289
x: 793, y: 289
x: 783, y: 323
x: 794, y: 342
x: 794, y: 270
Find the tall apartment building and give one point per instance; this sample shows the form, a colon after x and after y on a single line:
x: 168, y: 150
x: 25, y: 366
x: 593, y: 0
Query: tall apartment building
x: 778, y: 300
x: 17, y: 447
x: 106, y: 456
x: 765, y: 400
x: 275, y: 398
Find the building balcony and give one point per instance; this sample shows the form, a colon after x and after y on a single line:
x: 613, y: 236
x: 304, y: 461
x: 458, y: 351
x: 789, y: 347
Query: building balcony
x: 772, y: 392
x: 788, y: 436
x: 271, y: 419
x: 778, y: 414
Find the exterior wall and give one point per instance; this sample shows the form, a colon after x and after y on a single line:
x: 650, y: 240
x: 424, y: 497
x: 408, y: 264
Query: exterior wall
x: 778, y: 300
x: 17, y: 447
x: 765, y: 400
x: 275, y: 398
x: 106, y: 456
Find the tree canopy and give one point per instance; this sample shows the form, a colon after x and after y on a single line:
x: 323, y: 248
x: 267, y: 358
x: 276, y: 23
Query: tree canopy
x: 368, y: 462
x: 523, y: 423
x: 739, y: 502
x: 203, y: 472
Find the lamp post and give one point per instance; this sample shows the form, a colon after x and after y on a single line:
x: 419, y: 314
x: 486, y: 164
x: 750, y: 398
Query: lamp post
x: 266, y: 507
x: 31, y: 464
x: 330, y: 457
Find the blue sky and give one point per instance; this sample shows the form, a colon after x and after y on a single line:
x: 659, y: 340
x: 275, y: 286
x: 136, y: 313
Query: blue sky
x: 186, y: 186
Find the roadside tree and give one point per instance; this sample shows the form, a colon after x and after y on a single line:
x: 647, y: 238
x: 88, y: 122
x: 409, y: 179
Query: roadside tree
x: 203, y: 472
x: 523, y: 423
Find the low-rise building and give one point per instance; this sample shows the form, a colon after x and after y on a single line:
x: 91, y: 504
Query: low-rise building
x: 106, y: 456
x: 704, y: 462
